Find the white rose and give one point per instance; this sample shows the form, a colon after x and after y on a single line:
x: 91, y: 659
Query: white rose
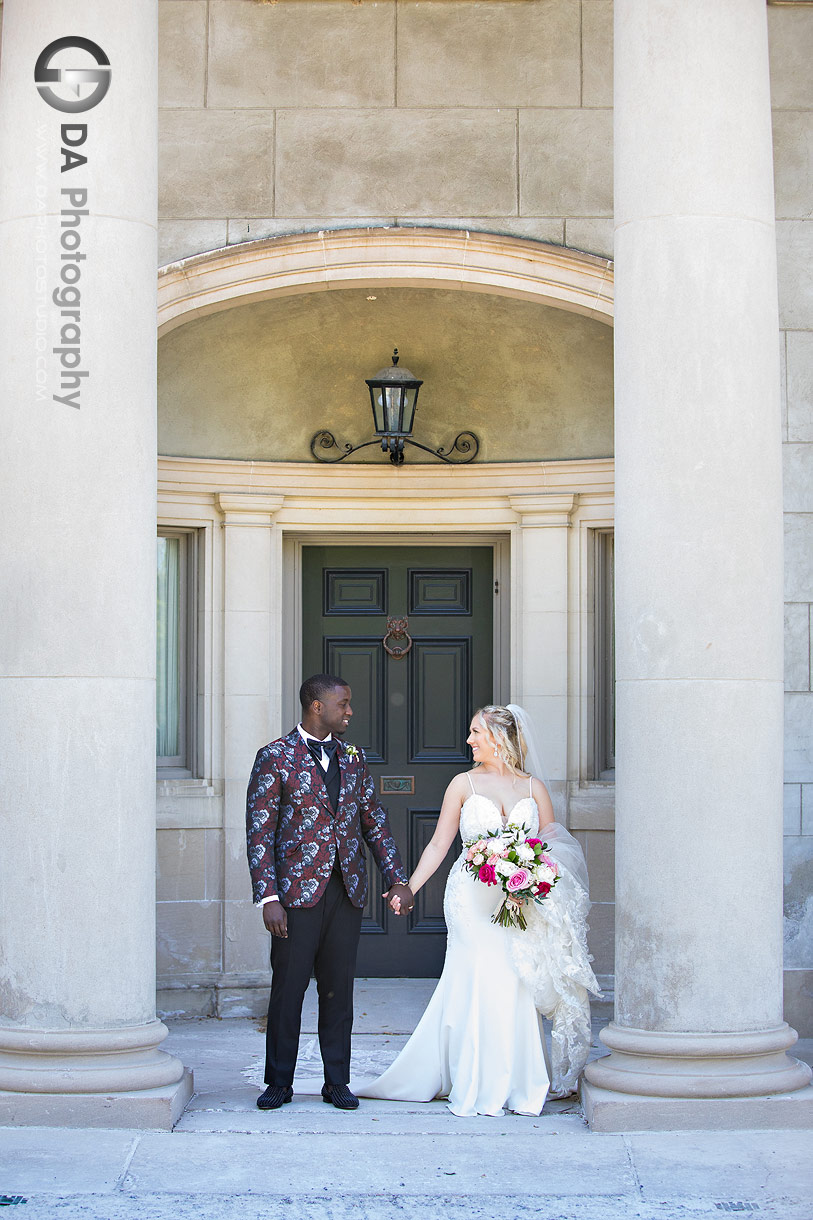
x: 505, y: 868
x: 494, y: 846
x: 524, y: 852
x: 544, y: 873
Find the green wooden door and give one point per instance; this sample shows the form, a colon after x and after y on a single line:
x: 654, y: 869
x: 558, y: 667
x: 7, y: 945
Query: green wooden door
x: 411, y: 712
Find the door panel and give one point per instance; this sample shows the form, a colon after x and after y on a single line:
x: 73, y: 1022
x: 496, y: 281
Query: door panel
x: 411, y: 713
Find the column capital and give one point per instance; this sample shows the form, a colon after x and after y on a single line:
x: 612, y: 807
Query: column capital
x: 548, y: 509
x: 247, y: 508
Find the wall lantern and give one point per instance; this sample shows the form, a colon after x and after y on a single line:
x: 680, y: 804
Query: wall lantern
x: 394, y: 400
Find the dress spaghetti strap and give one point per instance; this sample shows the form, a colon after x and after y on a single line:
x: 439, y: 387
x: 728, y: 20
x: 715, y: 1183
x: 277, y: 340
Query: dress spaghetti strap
x: 530, y: 785
x: 471, y: 782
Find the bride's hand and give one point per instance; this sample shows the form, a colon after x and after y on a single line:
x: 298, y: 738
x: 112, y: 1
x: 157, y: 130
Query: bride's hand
x: 400, y: 898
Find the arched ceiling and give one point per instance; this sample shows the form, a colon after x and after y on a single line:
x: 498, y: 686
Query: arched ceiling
x: 256, y: 381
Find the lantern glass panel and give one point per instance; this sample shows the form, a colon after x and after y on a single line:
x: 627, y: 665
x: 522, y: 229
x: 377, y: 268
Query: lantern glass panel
x: 393, y: 408
x: 377, y: 400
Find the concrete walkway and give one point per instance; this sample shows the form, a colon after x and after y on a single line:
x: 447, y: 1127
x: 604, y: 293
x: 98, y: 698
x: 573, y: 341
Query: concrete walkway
x: 226, y: 1159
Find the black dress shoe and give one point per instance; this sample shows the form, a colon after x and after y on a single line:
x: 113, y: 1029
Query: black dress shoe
x: 274, y: 1096
x: 340, y: 1096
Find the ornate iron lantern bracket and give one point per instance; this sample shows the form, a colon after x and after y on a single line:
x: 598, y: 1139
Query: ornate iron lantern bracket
x: 394, y: 400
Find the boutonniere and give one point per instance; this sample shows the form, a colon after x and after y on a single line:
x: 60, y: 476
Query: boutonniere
x: 351, y: 751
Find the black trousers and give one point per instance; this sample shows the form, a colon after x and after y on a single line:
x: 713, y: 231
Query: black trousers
x: 322, y: 940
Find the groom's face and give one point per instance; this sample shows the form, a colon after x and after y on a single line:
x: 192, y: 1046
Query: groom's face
x: 335, y: 710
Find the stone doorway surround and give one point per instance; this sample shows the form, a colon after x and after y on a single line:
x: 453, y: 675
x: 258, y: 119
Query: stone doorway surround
x: 252, y: 521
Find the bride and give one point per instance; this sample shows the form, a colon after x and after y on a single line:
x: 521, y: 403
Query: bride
x: 480, y: 1041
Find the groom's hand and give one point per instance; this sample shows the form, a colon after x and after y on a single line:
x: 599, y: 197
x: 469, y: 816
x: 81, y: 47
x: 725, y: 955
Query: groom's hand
x: 275, y: 918
x: 401, y: 898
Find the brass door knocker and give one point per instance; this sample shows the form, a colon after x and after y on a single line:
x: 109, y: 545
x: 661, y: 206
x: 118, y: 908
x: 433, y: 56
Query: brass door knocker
x: 396, y: 631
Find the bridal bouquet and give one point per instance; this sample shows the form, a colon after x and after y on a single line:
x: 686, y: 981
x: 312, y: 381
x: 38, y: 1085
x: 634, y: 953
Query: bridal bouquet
x: 519, y: 865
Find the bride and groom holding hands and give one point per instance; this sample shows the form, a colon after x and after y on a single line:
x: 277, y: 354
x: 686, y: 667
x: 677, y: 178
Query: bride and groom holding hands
x: 311, y: 806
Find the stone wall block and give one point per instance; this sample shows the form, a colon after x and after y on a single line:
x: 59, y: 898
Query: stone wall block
x: 301, y: 53
x: 539, y: 228
x: 797, y: 646
x: 179, y: 239
x: 597, y: 53
x: 213, y: 864
x: 601, y: 937
x: 452, y: 54
x: 181, y: 52
x: 794, y: 252
x: 188, y: 938
x: 566, y: 162
x: 799, y: 1001
x: 592, y: 236
x: 247, y: 943
x: 799, y: 737
x: 792, y: 794
x: 793, y: 163
x: 800, y: 385
x: 807, y: 809
x: 256, y: 227
x: 599, y: 850
x: 799, y: 557
x: 236, y: 875
x: 180, y: 865
x: 790, y: 37
x: 798, y: 930
x: 783, y: 382
x: 798, y: 478
x: 424, y: 162
x: 216, y: 163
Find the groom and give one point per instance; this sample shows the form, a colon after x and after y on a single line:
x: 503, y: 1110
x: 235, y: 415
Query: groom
x: 311, y: 801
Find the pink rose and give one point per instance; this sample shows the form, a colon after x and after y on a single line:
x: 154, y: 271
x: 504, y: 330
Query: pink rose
x: 518, y: 880
x: 486, y: 874
x: 492, y: 860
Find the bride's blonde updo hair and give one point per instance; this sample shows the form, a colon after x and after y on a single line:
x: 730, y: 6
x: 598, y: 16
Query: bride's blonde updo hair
x: 509, y: 743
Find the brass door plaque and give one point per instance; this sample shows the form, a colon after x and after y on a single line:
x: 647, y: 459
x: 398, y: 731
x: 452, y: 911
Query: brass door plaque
x: 404, y: 784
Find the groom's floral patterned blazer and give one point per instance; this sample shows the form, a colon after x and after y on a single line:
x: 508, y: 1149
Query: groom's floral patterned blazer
x: 293, y: 834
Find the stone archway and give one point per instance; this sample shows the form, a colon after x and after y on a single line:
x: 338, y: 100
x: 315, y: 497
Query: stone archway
x: 318, y: 262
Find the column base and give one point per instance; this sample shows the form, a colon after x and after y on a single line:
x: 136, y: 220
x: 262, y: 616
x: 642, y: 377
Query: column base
x: 607, y: 1110
x: 117, y: 1060
x: 656, y: 1080
x: 148, y: 1109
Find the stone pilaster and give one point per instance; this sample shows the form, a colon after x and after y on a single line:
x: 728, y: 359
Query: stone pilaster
x: 78, y: 1035
x: 251, y: 705
x: 539, y: 680
x: 698, y: 1038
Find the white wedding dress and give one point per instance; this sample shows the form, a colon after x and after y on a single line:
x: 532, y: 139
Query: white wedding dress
x: 480, y: 1040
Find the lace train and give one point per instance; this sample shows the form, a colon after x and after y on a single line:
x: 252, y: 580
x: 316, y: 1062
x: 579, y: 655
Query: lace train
x: 552, y: 960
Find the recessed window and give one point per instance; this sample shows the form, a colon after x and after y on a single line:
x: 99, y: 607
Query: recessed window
x: 175, y: 653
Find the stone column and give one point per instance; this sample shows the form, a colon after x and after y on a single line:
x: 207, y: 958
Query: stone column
x: 78, y: 1034
x: 698, y: 1038
x: 251, y: 707
x: 539, y: 681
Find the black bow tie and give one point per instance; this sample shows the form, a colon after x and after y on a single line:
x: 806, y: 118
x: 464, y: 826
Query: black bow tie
x: 316, y: 747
